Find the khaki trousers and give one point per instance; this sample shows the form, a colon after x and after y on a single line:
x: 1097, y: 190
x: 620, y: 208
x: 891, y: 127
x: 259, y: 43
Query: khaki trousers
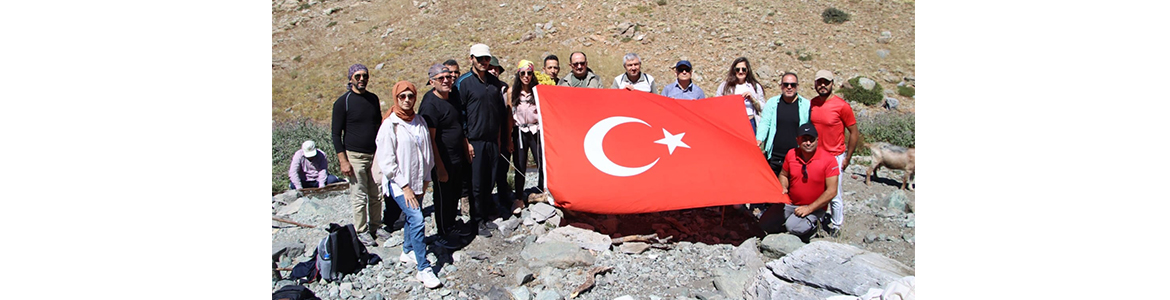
x: 367, y: 205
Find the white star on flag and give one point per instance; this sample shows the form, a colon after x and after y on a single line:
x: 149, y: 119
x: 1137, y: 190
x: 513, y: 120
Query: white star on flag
x: 672, y: 140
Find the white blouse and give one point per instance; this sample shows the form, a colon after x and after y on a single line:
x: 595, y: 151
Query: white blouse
x: 404, y: 154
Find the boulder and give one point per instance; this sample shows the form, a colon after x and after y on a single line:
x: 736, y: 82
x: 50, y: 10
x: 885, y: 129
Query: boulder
x: 778, y: 245
x: 581, y: 237
x: 733, y: 283
x: 522, y: 275
x: 748, y: 255
x: 542, y: 211
x: 767, y: 287
x: 556, y: 254
x: 897, y: 201
x: 291, y: 208
x: 866, y: 83
x: 634, y: 247
x: 838, y: 268
x: 521, y: 293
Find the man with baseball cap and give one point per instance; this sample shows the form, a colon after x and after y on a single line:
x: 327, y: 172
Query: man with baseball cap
x: 832, y: 116
x: 357, y: 114
x: 308, y: 169
x: 441, y: 112
x: 682, y: 87
x: 809, y: 177
x: 487, y: 127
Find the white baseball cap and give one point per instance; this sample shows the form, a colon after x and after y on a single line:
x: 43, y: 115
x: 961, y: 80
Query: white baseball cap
x: 478, y: 50
x: 310, y: 149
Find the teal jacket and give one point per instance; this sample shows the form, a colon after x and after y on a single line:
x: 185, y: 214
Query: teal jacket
x: 766, y: 129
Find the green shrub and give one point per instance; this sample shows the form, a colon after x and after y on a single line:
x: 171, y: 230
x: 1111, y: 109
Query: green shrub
x: 891, y: 127
x: 661, y: 2
x: 834, y: 16
x: 287, y: 137
x: 860, y: 94
x: 906, y: 91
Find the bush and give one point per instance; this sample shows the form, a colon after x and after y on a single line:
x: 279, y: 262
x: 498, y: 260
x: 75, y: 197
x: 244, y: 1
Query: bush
x: 661, y: 2
x: 834, y: 16
x: 287, y: 137
x: 906, y: 91
x: 860, y: 94
x: 891, y: 127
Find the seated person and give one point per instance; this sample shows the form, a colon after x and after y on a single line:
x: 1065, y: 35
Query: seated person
x: 309, y: 168
x: 809, y: 177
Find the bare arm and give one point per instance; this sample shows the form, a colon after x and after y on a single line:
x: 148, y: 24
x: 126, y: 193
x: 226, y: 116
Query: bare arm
x: 343, y: 162
x: 830, y: 192
x: 783, y: 179
x: 850, y: 145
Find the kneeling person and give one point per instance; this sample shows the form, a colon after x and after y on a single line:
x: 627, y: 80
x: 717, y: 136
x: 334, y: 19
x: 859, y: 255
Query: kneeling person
x: 809, y: 177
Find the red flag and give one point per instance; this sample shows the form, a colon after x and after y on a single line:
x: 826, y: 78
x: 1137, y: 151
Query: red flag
x: 614, y: 151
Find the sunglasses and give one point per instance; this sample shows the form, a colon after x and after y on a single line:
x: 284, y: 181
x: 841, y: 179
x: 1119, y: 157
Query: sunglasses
x: 441, y: 78
x: 578, y: 64
x: 483, y: 58
x: 361, y: 76
x: 788, y: 84
x: 405, y: 96
x: 823, y: 82
x: 741, y: 70
x: 804, y: 170
x: 684, y: 70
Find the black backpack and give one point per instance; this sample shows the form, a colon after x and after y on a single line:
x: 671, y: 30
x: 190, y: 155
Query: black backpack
x: 294, y: 292
x: 340, y: 253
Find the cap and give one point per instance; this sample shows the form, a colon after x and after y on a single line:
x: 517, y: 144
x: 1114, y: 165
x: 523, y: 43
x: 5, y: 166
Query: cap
x: 683, y: 63
x: 478, y: 50
x: 436, y: 69
x: 824, y: 74
x: 807, y: 129
x: 495, y: 62
x: 310, y: 149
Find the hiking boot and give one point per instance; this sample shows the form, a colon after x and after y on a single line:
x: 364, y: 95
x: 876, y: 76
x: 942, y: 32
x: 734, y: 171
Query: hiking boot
x: 408, y: 258
x: 367, y: 240
x: 428, y: 278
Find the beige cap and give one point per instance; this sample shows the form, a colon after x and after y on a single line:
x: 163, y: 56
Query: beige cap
x: 824, y: 74
x: 478, y: 50
x: 309, y: 148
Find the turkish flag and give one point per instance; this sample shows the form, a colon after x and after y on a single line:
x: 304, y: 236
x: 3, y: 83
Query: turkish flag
x: 614, y: 151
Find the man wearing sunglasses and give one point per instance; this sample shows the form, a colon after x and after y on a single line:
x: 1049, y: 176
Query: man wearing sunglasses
x: 776, y: 133
x: 809, y: 177
x: 581, y: 75
x: 450, y: 146
x: 832, y: 115
x: 357, y: 114
x: 634, y: 78
x: 488, y: 125
x: 682, y: 87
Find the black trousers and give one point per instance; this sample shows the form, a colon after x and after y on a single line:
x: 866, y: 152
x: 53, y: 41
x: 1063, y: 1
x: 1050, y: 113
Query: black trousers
x: 503, y: 190
x: 531, y: 144
x: 446, y: 196
x: 482, y: 178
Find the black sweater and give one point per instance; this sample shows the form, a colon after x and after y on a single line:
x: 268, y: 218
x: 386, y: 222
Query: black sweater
x: 356, y: 118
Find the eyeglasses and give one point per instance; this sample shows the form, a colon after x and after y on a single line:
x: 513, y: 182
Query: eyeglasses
x: 526, y: 73
x: 361, y: 76
x: 405, y: 96
x: 741, y: 70
x: 483, y: 58
x: 441, y: 78
x: 788, y: 84
x: 576, y: 64
x: 684, y: 70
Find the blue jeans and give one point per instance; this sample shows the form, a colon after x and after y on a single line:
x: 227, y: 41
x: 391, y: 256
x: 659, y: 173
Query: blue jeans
x: 412, y: 232
x: 329, y: 179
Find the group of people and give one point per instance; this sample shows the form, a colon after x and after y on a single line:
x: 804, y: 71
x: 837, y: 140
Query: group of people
x: 471, y: 128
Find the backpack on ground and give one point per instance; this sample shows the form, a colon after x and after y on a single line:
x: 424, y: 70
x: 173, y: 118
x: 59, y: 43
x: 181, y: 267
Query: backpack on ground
x: 341, y: 253
x: 294, y: 292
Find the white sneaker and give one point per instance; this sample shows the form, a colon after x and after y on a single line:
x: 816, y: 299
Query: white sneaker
x: 408, y: 258
x: 428, y: 278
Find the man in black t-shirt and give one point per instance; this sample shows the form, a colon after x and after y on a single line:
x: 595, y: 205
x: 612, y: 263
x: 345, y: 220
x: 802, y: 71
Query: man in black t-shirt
x: 439, y: 108
x: 782, y: 115
x: 356, y: 117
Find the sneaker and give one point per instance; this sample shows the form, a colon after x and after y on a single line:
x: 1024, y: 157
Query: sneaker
x: 408, y: 258
x: 367, y: 240
x: 447, y: 242
x: 428, y: 278
x: 832, y: 231
x: 382, y: 233
x: 484, y: 231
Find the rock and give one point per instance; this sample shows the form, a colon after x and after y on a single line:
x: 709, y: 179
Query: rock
x: 897, y: 201
x: 423, y: 4
x: 522, y: 275
x: 625, y: 297
x: 285, y: 198
x: 478, y: 255
x: 444, y: 292
x: 312, y: 207
x: 547, y: 26
x: 556, y: 254
x: 882, y: 53
x: 521, y: 293
x: 866, y: 83
x: 345, y: 289
x: 870, y: 238
x: 733, y: 282
x: 767, y: 286
x: 379, y: 66
x: 883, y: 237
x: 333, y: 291
x: 581, y: 237
x: 748, y: 255
x: 292, y: 208
x: 288, y: 249
x: 548, y: 295
x: 634, y: 247
x: 891, y: 103
x: 838, y: 267
x: 375, y: 296
x: 910, y: 224
x: 507, y: 227
x: 624, y: 27
x: 388, y: 32
x: 908, y: 237
x: 542, y: 211
x: 778, y: 245
x: 537, y: 8
x: 885, y: 37
x: 554, y: 220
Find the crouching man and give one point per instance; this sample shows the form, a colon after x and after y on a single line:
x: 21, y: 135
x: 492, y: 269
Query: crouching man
x: 809, y: 177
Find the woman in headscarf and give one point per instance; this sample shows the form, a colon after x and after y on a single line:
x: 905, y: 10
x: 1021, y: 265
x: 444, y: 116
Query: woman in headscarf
x: 405, y: 157
x: 527, y: 138
x: 741, y: 80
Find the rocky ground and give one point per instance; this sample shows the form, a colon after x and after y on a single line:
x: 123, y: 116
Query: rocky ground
x: 712, y: 253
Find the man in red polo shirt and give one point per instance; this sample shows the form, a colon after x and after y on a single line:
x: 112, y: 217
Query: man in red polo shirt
x: 832, y: 115
x: 809, y: 177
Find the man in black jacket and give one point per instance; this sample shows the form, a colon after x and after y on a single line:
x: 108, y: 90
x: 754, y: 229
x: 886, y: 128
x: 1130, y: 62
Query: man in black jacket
x: 488, y: 126
x: 356, y: 117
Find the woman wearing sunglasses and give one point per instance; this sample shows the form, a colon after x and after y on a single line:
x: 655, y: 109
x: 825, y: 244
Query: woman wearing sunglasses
x: 405, y: 157
x: 526, y: 134
x: 741, y: 80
